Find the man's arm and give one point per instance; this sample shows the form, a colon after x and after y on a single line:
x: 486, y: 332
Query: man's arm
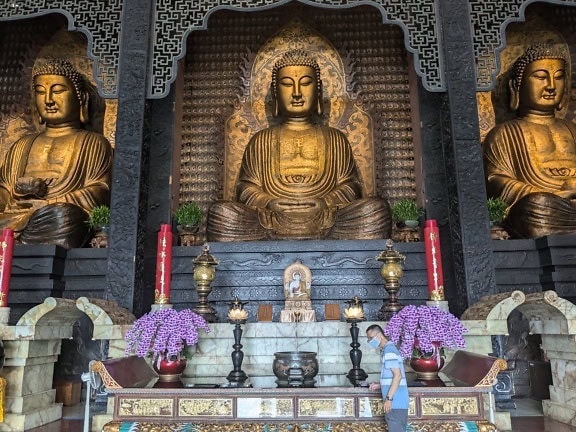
x: 395, y: 382
x: 397, y: 376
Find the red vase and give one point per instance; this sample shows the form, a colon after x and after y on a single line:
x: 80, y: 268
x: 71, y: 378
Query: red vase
x: 427, y: 368
x: 169, y: 369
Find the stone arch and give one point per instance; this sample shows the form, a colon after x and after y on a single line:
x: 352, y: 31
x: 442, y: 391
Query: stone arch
x: 60, y: 312
x: 554, y: 318
x: 34, y: 344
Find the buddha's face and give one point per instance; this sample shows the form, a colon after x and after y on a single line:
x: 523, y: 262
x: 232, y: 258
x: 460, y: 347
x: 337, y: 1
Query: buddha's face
x: 543, y: 85
x: 56, y: 99
x: 297, y: 91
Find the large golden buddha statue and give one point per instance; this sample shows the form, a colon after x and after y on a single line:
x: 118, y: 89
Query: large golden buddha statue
x: 49, y: 181
x: 531, y: 160
x: 298, y: 179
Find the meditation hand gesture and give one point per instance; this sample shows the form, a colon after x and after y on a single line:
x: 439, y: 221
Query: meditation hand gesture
x: 32, y: 186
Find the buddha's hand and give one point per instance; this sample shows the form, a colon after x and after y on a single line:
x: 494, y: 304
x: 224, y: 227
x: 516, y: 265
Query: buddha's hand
x: 309, y: 205
x: 31, y: 186
x: 568, y: 189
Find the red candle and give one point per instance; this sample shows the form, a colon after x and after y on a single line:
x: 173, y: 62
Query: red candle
x: 163, y: 265
x: 6, y: 251
x: 433, y: 260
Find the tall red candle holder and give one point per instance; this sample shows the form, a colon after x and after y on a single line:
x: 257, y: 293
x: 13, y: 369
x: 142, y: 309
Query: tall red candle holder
x: 6, y: 252
x: 434, y: 265
x: 163, y: 266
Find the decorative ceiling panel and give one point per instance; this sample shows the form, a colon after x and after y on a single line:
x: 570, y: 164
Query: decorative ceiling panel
x: 99, y: 20
x: 175, y: 19
x: 489, y: 21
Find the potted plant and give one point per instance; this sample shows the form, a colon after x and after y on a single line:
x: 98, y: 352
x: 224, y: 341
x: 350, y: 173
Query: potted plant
x: 99, y: 222
x: 422, y: 333
x: 188, y: 216
x: 497, y: 211
x: 407, y: 211
x: 164, y: 334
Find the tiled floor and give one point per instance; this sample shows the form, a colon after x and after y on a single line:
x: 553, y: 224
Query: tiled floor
x: 526, y: 418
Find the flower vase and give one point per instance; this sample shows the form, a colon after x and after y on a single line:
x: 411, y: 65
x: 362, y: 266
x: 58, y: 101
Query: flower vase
x: 169, y: 370
x: 427, y: 368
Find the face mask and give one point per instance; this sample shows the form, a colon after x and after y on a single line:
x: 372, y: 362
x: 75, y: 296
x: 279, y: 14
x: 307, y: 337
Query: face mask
x: 374, y: 343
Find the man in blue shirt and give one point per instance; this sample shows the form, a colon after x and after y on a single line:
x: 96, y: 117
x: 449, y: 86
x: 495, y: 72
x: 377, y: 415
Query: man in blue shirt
x: 392, y: 380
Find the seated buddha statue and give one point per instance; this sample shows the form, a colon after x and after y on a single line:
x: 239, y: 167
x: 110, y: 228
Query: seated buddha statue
x: 51, y: 180
x: 530, y: 161
x: 298, y: 179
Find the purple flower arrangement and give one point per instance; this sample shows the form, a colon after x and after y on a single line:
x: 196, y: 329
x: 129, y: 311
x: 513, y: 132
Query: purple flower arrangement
x: 164, y: 331
x: 421, y: 330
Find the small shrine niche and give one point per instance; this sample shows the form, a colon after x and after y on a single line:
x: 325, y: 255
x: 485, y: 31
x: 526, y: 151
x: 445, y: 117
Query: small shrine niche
x: 297, y: 288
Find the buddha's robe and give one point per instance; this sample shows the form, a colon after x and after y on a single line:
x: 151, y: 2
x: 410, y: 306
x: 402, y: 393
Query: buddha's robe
x: 262, y: 178
x: 85, y: 184
x: 526, y: 167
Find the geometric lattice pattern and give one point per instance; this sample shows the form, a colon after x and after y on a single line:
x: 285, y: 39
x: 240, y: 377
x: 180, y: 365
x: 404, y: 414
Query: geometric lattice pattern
x: 489, y: 21
x: 175, y: 19
x: 99, y: 20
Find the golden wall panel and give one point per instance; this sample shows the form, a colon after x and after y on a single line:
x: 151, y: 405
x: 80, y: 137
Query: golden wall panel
x: 264, y: 408
x: 335, y: 407
x: 449, y: 406
x: 203, y: 407
x: 145, y: 407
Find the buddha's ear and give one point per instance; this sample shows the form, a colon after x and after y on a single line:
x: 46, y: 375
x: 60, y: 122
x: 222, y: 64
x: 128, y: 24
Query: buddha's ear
x: 319, y: 103
x: 84, y: 108
x: 514, y: 94
x: 275, y: 109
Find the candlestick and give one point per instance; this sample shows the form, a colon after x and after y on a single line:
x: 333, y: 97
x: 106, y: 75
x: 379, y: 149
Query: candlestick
x: 433, y: 260
x: 163, y: 265
x: 237, y: 315
x: 6, y: 251
x: 355, y: 314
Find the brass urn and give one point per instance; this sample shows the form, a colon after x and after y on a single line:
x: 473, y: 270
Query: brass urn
x: 204, y: 273
x: 392, y: 271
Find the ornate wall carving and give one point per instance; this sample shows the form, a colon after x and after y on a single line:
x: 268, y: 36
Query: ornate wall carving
x: 489, y: 21
x: 99, y: 20
x: 176, y: 19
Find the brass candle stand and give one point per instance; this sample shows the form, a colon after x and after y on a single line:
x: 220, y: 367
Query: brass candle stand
x: 204, y: 273
x: 392, y: 271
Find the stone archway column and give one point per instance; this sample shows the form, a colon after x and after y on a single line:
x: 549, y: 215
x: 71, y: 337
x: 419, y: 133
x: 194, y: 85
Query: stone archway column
x: 557, y: 325
x: 32, y: 347
x: 31, y: 351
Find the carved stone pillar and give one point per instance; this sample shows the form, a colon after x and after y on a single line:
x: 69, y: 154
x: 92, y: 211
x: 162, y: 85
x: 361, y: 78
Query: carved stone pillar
x: 129, y: 197
x: 467, y: 213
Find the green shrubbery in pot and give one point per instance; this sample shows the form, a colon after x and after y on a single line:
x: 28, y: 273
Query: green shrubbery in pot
x: 406, y: 211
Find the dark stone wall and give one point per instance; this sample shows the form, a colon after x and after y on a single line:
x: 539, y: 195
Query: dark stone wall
x: 254, y: 271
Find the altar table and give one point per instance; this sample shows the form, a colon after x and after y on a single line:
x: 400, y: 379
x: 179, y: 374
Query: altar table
x: 336, y: 409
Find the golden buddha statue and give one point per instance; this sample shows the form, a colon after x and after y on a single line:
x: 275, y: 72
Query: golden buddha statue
x: 49, y: 181
x: 298, y: 179
x: 530, y: 161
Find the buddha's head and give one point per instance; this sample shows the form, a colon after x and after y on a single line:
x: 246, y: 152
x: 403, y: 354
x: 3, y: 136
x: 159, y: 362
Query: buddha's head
x: 538, y: 79
x: 296, y: 85
x: 59, y: 92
